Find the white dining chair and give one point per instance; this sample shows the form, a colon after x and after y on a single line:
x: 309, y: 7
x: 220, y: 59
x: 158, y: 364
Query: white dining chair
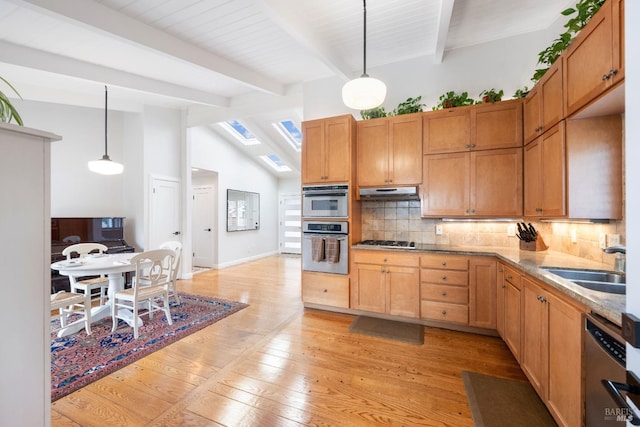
x: 88, y: 285
x: 70, y: 303
x: 176, y: 247
x: 150, y: 286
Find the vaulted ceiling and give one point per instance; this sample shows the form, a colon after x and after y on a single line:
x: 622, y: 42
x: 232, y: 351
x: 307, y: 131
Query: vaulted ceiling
x: 234, y: 59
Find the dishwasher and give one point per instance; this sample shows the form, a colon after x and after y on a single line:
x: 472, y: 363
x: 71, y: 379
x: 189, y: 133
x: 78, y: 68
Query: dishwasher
x: 605, y: 359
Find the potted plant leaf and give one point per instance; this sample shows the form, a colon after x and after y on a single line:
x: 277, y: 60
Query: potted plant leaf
x: 411, y: 105
x: 7, y: 111
x: 373, y: 113
x: 451, y: 100
x: 491, y: 95
x: 521, y: 93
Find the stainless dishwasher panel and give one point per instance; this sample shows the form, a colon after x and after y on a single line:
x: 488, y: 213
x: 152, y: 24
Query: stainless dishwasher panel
x: 604, y: 358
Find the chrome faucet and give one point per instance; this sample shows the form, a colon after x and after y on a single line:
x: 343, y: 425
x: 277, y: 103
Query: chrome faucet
x: 620, y: 251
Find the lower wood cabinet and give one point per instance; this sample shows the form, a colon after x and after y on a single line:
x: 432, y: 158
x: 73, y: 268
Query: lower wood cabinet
x: 482, y: 292
x: 444, y: 288
x: 552, y: 350
x: 325, y: 289
x: 385, y: 282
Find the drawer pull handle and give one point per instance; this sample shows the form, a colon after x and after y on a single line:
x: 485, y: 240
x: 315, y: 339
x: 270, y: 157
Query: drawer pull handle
x: 384, y: 260
x: 444, y: 294
x: 444, y: 263
x: 509, y: 277
x: 444, y: 277
x: 325, y: 291
x: 444, y: 312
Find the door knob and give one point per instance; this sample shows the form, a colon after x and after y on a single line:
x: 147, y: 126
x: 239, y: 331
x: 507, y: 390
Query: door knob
x: 176, y: 233
x: 207, y: 229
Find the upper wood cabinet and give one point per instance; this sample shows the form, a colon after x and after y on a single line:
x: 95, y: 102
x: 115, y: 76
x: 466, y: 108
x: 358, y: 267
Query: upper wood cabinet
x: 474, y: 184
x: 478, y: 127
x: 543, y: 106
x: 594, y: 62
x: 389, y: 151
x: 327, y: 145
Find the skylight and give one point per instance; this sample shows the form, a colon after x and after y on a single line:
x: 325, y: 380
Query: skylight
x: 290, y: 132
x: 240, y: 132
x: 276, y: 163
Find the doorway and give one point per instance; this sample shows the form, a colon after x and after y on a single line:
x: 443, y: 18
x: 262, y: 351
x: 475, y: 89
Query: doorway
x: 204, y: 230
x: 164, y: 211
x: 290, y: 224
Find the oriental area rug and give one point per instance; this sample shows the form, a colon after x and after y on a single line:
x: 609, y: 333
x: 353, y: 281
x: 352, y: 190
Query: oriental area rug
x: 80, y: 359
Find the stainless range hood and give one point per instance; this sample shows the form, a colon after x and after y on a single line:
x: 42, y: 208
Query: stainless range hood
x: 389, y: 193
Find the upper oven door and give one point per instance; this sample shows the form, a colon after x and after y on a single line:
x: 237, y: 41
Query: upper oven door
x: 325, y: 202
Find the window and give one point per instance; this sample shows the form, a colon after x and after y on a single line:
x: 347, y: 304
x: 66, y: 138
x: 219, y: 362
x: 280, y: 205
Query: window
x: 276, y: 163
x: 240, y: 132
x: 290, y: 132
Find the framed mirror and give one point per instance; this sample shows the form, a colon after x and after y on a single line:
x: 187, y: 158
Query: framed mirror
x: 243, y: 210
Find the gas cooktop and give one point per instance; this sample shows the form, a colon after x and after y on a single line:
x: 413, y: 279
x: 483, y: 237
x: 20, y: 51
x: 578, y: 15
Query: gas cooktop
x: 389, y: 244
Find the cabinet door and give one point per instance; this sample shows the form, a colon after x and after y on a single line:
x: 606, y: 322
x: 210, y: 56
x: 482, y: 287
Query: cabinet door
x: 534, y: 329
x: 533, y: 178
x: 370, y: 288
x: 405, y: 150
x: 500, y: 298
x: 497, y: 125
x: 338, y: 140
x: 482, y: 292
x: 532, y: 118
x: 512, y: 319
x: 313, y: 160
x: 554, y: 172
x: 445, y: 185
x: 552, y: 105
x: 564, y: 388
x: 496, y: 183
x: 373, y: 155
x: 588, y: 61
x: 447, y: 131
x: 403, y: 298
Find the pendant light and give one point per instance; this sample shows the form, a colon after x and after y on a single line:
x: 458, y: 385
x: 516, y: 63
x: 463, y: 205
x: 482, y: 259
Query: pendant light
x: 364, y: 92
x: 105, y: 166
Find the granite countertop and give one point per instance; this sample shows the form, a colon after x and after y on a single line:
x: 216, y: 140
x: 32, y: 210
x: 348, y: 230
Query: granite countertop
x: 605, y: 304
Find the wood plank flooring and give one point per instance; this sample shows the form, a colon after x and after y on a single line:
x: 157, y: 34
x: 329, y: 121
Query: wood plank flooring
x: 278, y: 364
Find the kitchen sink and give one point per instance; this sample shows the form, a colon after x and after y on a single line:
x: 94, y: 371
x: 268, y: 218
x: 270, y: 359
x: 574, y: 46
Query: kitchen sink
x: 597, y: 280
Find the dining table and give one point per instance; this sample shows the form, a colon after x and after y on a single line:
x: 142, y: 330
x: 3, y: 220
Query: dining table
x: 113, y: 266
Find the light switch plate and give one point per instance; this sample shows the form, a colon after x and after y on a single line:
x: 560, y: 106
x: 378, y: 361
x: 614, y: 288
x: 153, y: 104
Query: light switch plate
x: 511, y: 230
x: 438, y: 230
x: 614, y: 240
x: 603, y: 241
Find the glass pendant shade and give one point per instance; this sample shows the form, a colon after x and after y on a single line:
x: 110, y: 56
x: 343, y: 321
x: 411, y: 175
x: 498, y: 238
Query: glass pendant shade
x: 364, y: 93
x: 105, y: 166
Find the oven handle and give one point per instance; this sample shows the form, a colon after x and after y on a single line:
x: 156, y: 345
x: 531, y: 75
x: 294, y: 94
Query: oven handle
x: 614, y: 389
x: 331, y: 236
x: 327, y: 194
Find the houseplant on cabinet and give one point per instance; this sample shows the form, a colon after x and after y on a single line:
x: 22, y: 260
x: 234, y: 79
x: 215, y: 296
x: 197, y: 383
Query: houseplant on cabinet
x: 491, y: 95
x: 7, y: 111
x: 451, y: 100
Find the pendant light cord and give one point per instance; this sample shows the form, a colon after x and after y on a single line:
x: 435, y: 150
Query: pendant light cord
x: 364, y: 65
x: 105, y: 121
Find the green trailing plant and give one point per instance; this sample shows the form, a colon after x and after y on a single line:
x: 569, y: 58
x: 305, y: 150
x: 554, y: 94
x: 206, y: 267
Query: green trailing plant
x: 411, y: 105
x: 491, y: 95
x: 7, y: 111
x: 521, y: 93
x: 451, y: 100
x: 373, y: 113
x: 583, y: 11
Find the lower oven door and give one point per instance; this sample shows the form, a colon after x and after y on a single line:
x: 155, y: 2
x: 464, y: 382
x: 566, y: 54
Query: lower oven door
x: 319, y: 261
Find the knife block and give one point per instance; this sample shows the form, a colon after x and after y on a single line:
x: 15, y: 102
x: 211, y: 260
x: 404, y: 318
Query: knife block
x: 537, y: 245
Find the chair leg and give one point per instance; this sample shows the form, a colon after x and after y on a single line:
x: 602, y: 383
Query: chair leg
x: 167, y: 313
x: 87, y: 314
x: 135, y: 321
x: 175, y: 292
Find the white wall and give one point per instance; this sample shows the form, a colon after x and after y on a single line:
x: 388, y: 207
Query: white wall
x: 289, y: 186
x: 237, y: 172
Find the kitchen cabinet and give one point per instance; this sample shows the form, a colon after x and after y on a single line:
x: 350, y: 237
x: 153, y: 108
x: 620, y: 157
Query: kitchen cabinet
x: 385, y: 282
x: 327, y: 148
x: 325, y: 289
x: 389, y: 151
x: 482, y: 292
x: 594, y: 62
x: 444, y: 288
x: 478, y: 127
x: 552, y: 350
x: 544, y: 105
x: 508, y: 310
x: 544, y: 174
x: 575, y: 170
x: 473, y: 184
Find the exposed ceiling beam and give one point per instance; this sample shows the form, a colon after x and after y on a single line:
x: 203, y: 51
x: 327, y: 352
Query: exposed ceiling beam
x: 283, y: 14
x: 444, y: 20
x: 96, y: 16
x: 37, y: 59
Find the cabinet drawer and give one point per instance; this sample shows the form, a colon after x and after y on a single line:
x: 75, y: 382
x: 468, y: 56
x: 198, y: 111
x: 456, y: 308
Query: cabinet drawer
x: 325, y: 289
x: 447, y: 262
x: 385, y: 258
x: 444, y: 293
x: 444, y: 312
x: 512, y: 276
x: 445, y: 277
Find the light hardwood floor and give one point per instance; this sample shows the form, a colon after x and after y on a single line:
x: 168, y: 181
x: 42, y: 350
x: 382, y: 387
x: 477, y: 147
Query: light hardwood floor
x: 276, y: 363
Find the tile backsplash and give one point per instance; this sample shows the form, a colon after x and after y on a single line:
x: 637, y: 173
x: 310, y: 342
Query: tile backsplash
x: 402, y: 221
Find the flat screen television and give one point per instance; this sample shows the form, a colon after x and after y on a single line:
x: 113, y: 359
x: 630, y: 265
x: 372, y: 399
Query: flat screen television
x: 80, y: 230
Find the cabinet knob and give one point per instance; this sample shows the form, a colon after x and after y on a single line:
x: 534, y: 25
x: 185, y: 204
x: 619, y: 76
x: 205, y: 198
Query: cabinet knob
x: 605, y: 77
x: 444, y: 277
x: 503, y: 286
x: 388, y: 271
x: 384, y: 260
x: 612, y: 73
x: 444, y: 263
x: 467, y: 146
x: 444, y: 312
x: 473, y: 211
x: 509, y: 277
x: 382, y: 270
x: 444, y: 294
x: 325, y: 291
x: 473, y: 145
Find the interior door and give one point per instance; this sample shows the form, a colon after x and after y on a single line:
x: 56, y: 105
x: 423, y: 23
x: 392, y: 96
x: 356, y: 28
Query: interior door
x: 203, y: 226
x: 164, y: 212
x: 290, y: 224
